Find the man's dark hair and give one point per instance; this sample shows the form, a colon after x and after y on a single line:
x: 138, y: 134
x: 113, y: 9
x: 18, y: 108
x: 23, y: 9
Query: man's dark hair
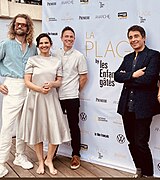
x: 67, y: 28
x: 137, y: 28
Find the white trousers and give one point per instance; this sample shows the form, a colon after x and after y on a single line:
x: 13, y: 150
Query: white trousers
x: 11, y: 112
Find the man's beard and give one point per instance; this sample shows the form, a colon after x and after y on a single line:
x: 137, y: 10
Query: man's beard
x: 20, y: 32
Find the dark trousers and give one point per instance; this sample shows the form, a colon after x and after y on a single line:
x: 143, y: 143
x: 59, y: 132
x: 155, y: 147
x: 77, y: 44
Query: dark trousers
x: 138, y: 132
x: 70, y: 107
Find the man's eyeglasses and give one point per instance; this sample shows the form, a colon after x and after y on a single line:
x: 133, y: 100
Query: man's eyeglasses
x: 23, y: 25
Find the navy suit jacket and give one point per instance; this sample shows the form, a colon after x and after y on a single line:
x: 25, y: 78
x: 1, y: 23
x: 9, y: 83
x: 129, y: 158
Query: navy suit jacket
x: 145, y: 87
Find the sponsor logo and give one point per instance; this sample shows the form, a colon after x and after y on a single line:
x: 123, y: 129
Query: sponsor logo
x: 144, y: 13
x: 158, y: 166
x: 83, y: 116
x: 67, y: 17
x: 101, y: 100
x: 100, y: 156
x: 122, y: 15
x: 157, y: 148
x: 51, y: 19
x: 84, y: 1
x: 118, y: 122
x: 84, y: 147
x: 142, y: 20
x: 157, y: 129
x: 53, y: 33
x: 119, y: 155
x: 67, y: 143
x: 84, y: 98
x: 101, y: 135
x: 102, y: 119
x: 103, y: 16
x: 101, y: 4
x: 86, y: 132
x: 115, y: 102
x: 84, y: 17
x: 120, y: 138
x: 67, y: 2
x: 51, y: 3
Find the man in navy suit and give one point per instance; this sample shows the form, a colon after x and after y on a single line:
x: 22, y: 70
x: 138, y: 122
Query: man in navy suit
x: 138, y: 102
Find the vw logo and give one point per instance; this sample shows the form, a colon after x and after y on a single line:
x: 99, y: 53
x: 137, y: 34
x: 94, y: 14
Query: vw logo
x: 120, y: 138
x: 83, y: 116
x: 158, y: 166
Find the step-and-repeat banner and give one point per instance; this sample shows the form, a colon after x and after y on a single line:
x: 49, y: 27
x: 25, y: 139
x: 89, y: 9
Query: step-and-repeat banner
x: 101, y: 27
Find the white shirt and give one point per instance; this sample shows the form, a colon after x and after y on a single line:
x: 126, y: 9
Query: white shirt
x: 73, y: 64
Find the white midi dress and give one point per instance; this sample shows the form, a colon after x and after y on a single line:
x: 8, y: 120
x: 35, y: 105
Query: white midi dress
x: 42, y: 117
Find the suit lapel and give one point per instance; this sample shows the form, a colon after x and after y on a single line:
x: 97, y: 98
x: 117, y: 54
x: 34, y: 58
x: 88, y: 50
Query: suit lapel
x: 130, y: 61
x: 141, y: 59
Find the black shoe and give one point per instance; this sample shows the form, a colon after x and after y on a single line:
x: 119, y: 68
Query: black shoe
x: 137, y: 176
x: 138, y: 173
x: 144, y: 176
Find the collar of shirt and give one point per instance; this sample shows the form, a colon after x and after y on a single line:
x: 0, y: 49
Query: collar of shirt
x: 68, y: 52
x: 19, y: 41
x: 140, y: 52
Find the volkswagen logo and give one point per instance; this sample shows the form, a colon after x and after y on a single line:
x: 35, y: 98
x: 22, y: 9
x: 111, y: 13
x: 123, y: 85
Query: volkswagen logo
x: 120, y: 138
x: 83, y: 116
x: 158, y: 166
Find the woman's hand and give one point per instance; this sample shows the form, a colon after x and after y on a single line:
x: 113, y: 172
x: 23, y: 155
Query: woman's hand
x: 53, y: 84
x: 47, y: 85
x: 45, y: 89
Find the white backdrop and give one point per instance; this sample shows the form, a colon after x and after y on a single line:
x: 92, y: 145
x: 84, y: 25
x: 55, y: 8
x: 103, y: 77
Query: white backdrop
x: 101, y: 27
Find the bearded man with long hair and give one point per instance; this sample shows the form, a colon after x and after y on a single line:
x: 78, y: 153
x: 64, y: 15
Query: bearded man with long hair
x: 14, y: 53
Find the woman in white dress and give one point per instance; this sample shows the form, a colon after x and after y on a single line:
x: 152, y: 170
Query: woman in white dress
x: 42, y: 117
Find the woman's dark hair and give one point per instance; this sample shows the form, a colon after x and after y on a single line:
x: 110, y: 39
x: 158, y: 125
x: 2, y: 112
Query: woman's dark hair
x: 137, y: 28
x: 41, y: 36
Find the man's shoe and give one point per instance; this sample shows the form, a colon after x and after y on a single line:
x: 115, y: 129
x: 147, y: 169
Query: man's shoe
x: 138, y: 173
x: 75, y: 162
x: 144, y: 176
x: 21, y: 160
x: 3, y: 170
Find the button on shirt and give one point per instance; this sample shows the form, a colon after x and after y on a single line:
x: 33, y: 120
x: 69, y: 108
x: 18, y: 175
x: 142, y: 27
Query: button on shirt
x: 131, y: 107
x: 73, y: 64
x: 13, y: 59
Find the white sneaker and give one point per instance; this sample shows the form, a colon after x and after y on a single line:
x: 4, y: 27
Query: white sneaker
x: 21, y: 160
x: 3, y: 170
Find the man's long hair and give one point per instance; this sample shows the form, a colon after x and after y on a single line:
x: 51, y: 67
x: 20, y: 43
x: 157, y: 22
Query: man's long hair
x: 30, y: 28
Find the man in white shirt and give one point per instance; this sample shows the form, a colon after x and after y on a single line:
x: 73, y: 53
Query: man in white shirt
x: 74, y: 78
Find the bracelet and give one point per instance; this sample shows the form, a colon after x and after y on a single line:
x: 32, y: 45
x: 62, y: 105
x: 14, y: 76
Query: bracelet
x: 158, y: 96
